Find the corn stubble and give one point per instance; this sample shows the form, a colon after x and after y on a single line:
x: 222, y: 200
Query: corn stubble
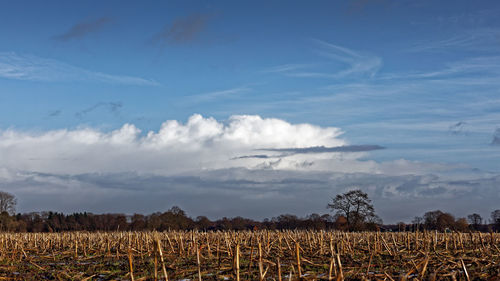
x: 249, y: 255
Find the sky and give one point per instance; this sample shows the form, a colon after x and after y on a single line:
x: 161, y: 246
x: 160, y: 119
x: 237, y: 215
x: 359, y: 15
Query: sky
x: 250, y: 108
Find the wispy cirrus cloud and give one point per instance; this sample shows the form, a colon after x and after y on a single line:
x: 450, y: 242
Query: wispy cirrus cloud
x: 481, y: 39
x: 33, y: 68
x: 357, y: 63
x: 83, y: 29
x: 476, y: 70
x: 286, y: 68
x: 342, y: 63
x: 209, y: 96
x: 445, y: 44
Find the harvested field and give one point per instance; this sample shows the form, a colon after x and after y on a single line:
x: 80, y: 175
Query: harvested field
x: 257, y: 255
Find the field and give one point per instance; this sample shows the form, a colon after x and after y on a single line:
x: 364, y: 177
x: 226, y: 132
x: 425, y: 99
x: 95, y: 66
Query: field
x: 257, y: 255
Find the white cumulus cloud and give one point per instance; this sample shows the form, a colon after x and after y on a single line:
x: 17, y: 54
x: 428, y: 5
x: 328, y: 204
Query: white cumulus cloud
x: 200, y: 143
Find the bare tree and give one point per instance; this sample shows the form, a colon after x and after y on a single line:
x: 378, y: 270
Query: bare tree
x: 355, y: 206
x: 495, y: 218
x: 475, y: 220
x: 461, y: 225
x: 417, y: 221
x: 446, y: 221
x: 431, y: 219
x: 7, y: 203
x: 401, y: 226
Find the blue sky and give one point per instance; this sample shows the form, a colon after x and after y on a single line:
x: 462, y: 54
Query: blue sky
x: 420, y: 78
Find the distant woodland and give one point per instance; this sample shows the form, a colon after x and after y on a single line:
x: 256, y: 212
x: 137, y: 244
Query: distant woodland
x: 353, y: 213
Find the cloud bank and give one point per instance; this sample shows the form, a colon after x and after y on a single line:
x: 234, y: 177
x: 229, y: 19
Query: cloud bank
x: 201, y: 166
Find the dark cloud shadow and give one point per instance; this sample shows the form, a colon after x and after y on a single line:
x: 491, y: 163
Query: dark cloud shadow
x: 309, y: 150
x: 182, y: 30
x: 83, y: 29
x: 112, y: 107
x: 54, y: 113
x: 324, y: 149
x: 458, y: 128
x: 260, y: 156
x: 496, y: 137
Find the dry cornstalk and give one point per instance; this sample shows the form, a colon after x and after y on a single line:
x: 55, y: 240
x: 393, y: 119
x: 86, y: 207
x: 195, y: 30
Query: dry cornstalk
x: 130, y: 265
x: 198, y: 261
x: 297, y: 256
x: 160, y: 252
x: 340, y: 275
x: 237, y: 261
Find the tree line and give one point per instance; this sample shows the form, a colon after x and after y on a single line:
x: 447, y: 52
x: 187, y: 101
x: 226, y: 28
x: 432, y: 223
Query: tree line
x: 353, y: 211
x: 442, y: 221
